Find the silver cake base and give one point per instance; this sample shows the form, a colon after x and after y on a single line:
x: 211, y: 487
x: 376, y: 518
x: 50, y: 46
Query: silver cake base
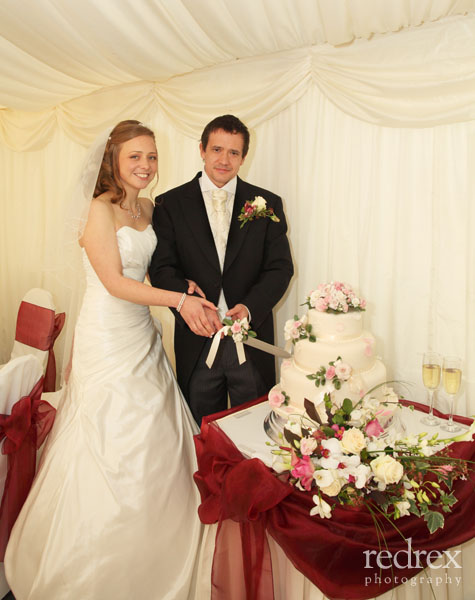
x: 274, y: 426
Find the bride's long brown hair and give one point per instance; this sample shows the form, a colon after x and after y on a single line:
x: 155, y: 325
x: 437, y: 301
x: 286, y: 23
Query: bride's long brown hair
x: 108, y: 179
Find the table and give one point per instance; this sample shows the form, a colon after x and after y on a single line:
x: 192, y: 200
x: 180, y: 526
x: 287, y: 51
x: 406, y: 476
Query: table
x: 245, y: 515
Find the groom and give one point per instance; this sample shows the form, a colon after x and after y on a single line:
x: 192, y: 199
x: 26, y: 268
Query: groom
x: 243, y: 270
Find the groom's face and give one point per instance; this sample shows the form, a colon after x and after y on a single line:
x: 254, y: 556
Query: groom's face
x: 222, y: 156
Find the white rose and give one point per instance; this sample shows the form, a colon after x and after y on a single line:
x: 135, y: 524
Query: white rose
x: 342, y: 370
x: 386, y: 469
x: 259, y: 203
x: 288, y: 329
x: 353, y: 441
x: 333, y: 489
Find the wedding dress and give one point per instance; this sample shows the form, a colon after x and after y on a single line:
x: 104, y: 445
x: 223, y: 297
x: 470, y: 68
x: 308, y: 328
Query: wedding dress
x: 112, y: 513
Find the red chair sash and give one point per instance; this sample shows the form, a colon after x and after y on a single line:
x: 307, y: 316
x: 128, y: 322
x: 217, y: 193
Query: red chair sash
x: 23, y: 432
x: 39, y: 327
x: 329, y: 552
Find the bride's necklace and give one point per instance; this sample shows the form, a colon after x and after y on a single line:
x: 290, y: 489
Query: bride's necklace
x: 133, y: 215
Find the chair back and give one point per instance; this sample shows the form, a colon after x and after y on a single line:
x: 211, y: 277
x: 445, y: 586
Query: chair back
x: 37, y: 328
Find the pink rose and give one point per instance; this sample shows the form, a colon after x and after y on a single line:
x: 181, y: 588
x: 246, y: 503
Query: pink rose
x: 321, y: 305
x: 276, y: 399
x: 303, y: 468
x: 373, y: 428
x: 330, y: 374
x: 236, y: 327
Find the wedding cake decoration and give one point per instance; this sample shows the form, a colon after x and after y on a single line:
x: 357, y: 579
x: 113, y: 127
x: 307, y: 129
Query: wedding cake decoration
x: 333, y: 356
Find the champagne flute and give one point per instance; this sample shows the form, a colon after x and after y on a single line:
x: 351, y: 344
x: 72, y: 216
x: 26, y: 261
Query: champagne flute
x: 451, y: 378
x: 431, y: 377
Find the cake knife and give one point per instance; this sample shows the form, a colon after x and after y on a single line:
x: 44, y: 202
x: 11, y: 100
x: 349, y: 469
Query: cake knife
x: 265, y: 347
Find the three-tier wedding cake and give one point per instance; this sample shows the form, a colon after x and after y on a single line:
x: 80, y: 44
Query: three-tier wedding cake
x: 333, y: 355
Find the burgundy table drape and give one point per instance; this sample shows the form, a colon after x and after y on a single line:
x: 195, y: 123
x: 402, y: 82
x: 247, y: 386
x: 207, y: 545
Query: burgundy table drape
x: 339, y: 555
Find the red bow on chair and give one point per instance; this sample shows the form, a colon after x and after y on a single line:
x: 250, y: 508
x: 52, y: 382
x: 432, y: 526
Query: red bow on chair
x: 39, y: 327
x: 24, y: 430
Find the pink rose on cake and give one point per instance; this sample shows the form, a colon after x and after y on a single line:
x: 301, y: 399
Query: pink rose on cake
x: 277, y: 398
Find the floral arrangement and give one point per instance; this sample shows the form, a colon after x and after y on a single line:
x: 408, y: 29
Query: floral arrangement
x: 238, y: 329
x: 334, y: 297
x: 349, y: 457
x: 297, y: 329
x: 256, y: 209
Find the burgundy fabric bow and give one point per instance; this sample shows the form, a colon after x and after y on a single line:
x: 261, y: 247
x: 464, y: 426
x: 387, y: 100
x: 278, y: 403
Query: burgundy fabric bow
x: 23, y: 431
x: 39, y: 327
x: 221, y: 479
x: 332, y: 553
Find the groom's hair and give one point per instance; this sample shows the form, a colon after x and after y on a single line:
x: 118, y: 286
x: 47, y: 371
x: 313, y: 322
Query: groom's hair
x: 230, y: 124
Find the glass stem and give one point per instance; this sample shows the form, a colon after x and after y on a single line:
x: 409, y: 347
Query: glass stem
x: 451, y: 411
x: 431, y: 403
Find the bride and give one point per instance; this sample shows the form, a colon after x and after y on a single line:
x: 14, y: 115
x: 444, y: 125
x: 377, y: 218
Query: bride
x: 112, y: 513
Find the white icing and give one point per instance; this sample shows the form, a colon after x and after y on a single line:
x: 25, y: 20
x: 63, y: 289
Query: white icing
x: 337, y: 335
x: 331, y: 326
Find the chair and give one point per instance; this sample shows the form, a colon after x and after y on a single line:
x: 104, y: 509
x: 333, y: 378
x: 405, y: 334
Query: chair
x: 37, y: 328
x: 25, y: 421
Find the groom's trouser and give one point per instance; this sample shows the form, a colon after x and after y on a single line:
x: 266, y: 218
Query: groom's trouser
x: 209, y: 388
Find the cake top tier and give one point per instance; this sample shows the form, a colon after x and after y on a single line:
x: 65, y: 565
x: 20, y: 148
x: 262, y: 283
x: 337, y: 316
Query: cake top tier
x: 335, y: 327
x: 335, y: 297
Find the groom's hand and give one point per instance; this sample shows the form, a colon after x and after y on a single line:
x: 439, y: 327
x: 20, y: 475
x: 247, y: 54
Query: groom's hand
x: 238, y: 312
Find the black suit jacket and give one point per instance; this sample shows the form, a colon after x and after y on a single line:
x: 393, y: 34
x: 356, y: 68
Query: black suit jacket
x: 257, y: 266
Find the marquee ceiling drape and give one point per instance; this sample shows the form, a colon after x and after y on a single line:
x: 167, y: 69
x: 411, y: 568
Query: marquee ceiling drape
x: 59, y: 69
x: 362, y: 116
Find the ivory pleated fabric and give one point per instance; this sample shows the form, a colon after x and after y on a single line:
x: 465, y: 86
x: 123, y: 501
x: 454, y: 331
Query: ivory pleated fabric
x: 112, y: 513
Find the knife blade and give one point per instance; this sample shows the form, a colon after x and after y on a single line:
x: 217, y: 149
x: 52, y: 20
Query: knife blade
x: 265, y: 347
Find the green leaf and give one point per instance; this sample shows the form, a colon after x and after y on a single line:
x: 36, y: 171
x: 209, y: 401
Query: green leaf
x: 338, y: 419
x: 413, y: 508
x: 448, y: 499
x: 328, y: 431
x: 347, y: 406
x: 337, y: 384
x: 434, y: 520
x: 251, y: 333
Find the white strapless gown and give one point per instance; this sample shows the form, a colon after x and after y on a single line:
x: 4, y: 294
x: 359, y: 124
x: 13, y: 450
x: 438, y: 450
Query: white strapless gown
x: 112, y: 513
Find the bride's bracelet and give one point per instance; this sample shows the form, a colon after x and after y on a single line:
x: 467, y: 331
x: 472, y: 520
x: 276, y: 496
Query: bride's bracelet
x: 180, y: 304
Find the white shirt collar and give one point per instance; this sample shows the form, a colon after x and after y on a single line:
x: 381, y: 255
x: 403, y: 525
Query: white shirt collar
x: 207, y: 185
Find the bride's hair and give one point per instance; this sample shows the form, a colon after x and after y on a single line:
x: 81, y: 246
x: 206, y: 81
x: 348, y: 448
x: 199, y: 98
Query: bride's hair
x: 108, y: 179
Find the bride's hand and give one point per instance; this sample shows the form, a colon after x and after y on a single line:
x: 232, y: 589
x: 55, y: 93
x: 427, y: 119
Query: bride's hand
x: 194, y: 287
x: 195, y: 317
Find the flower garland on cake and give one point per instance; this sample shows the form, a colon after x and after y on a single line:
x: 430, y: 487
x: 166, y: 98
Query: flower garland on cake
x: 334, y: 297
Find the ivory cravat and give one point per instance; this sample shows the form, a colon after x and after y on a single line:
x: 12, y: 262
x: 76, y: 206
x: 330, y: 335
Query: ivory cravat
x: 219, y: 198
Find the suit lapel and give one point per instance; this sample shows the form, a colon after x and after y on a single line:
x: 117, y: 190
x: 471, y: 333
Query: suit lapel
x: 236, y: 235
x: 194, y: 211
